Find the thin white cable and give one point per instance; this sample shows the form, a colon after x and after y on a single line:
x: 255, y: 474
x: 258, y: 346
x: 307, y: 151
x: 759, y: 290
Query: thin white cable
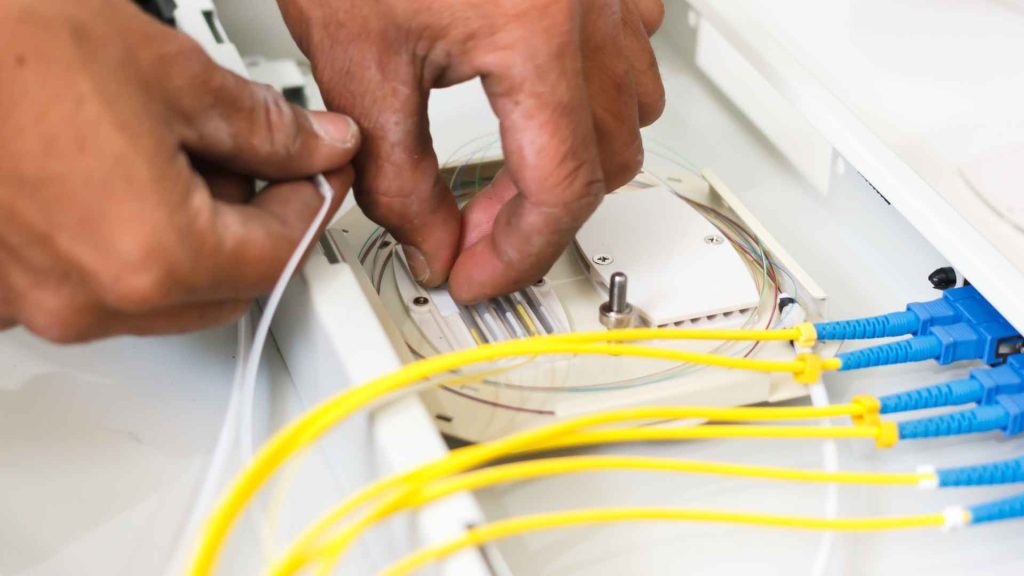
x: 239, y: 417
x: 247, y: 413
x: 252, y: 365
x: 830, y: 463
x: 219, y: 461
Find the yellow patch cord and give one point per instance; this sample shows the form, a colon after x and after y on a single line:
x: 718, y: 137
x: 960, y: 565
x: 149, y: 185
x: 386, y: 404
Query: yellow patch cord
x: 571, y: 433
x: 330, y: 553
x: 317, y: 421
x: 539, y: 522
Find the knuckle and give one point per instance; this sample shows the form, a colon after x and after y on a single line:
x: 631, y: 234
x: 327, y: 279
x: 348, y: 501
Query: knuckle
x: 624, y: 166
x: 651, y: 102
x: 389, y: 202
x: 138, y: 279
x: 54, y: 317
x: 186, y: 54
x: 182, y: 65
x: 137, y: 288
x: 652, y: 12
x: 277, y: 130
x: 583, y: 175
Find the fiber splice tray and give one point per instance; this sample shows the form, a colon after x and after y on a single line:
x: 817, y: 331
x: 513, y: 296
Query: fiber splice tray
x: 683, y: 272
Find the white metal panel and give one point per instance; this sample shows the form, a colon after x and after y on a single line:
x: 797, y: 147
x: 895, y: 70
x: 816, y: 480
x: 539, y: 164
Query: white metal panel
x: 917, y: 170
x: 776, y: 117
x: 679, y: 266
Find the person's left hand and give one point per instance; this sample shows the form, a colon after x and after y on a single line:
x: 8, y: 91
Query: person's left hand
x: 127, y: 159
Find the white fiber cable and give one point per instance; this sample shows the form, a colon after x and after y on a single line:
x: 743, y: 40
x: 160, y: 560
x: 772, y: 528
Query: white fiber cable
x: 219, y: 459
x: 252, y: 364
x: 238, y: 418
x: 247, y: 415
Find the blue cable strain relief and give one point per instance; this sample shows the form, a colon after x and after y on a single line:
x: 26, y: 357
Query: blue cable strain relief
x: 1016, y: 362
x: 913, y: 349
x: 1005, y: 509
x: 1005, y: 379
x: 1005, y: 472
x: 886, y: 325
x: 945, y: 310
x: 960, y: 342
x: 966, y: 391
x: 980, y: 419
x: 1013, y: 405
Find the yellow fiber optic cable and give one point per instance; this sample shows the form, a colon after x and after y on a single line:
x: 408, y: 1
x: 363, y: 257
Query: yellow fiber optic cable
x: 544, y: 437
x: 269, y: 528
x: 477, y: 377
x: 520, y: 471
x: 337, y: 545
x: 518, y: 526
x: 477, y: 337
x: 316, y: 422
x: 805, y: 333
x: 525, y: 317
x: 329, y: 554
x: 707, y: 432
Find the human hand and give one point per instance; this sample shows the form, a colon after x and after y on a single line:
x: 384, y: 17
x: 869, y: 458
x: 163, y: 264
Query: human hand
x: 126, y: 166
x: 571, y: 81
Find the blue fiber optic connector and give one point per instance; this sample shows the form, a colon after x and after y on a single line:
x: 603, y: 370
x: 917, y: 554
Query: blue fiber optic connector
x: 982, y: 387
x: 1006, y: 509
x: 1005, y: 414
x: 961, y: 325
x: 957, y: 305
x: 991, y: 342
x: 1004, y: 472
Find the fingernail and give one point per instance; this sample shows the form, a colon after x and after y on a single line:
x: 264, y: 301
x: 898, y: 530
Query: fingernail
x: 336, y: 128
x: 417, y: 263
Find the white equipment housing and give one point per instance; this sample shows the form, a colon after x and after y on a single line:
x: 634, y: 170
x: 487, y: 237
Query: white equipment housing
x: 738, y: 101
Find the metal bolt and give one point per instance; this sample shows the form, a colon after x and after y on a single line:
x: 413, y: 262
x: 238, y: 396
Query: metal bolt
x: 602, y: 259
x: 421, y: 301
x: 714, y: 239
x: 617, y: 293
x: 617, y: 312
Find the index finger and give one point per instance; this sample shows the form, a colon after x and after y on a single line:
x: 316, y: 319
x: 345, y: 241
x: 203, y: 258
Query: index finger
x: 551, y: 159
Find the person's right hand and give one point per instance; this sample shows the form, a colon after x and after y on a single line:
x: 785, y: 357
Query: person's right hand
x: 571, y: 81
x: 126, y: 165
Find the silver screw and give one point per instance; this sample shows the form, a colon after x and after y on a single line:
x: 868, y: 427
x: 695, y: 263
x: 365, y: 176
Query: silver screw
x: 617, y: 293
x: 713, y: 239
x: 421, y: 301
x: 602, y: 259
x: 617, y: 312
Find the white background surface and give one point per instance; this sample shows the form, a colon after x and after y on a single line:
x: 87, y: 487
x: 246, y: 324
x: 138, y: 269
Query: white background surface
x: 914, y: 94
x: 940, y: 82
x: 101, y: 443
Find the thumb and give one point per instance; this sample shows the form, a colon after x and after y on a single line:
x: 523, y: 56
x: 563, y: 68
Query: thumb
x: 251, y: 129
